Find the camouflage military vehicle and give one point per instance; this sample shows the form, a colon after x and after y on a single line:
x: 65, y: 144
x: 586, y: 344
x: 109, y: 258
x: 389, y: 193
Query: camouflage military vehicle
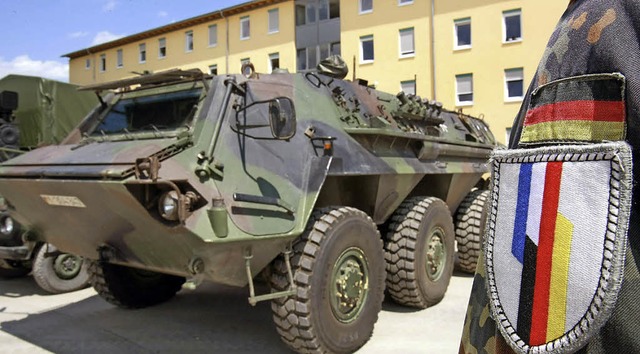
x: 328, y: 187
x: 36, y: 111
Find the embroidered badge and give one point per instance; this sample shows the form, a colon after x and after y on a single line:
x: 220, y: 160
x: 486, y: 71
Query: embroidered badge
x: 588, y: 108
x: 556, y: 242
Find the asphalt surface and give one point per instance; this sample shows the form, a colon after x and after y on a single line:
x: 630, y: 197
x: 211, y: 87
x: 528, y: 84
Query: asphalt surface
x: 211, y: 319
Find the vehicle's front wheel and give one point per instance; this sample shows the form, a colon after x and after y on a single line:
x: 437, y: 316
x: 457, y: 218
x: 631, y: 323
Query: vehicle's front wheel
x: 130, y: 287
x: 58, y: 272
x: 338, y: 270
x: 419, y: 252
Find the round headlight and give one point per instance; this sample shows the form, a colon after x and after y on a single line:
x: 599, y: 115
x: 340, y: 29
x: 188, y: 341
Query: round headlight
x: 6, y: 225
x: 169, y: 205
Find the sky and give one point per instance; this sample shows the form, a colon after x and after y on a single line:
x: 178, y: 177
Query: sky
x: 36, y: 33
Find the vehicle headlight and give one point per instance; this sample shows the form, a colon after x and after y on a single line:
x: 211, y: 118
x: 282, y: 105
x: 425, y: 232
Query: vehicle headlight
x: 6, y: 225
x: 168, y: 205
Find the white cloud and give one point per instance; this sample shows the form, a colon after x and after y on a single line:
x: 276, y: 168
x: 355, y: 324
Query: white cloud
x: 162, y: 14
x: 78, y: 34
x: 105, y: 36
x: 23, y: 65
x: 109, y: 6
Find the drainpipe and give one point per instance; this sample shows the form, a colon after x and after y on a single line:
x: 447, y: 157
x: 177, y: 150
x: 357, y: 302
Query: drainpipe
x: 226, y: 55
x: 433, y: 51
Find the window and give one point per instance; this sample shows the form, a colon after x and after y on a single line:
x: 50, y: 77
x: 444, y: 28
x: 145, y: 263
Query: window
x: 311, y: 13
x: 408, y: 87
x: 213, y: 35
x: 323, y: 10
x: 301, y: 58
x: 188, y: 41
x: 334, y: 48
x: 512, y: 26
x: 274, y: 61
x: 87, y: 63
x: 366, y: 49
x: 245, y: 27
x: 406, y: 43
x: 365, y: 6
x: 404, y: 2
x: 142, y: 52
x: 464, y: 89
x: 119, y: 58
x: 213, y: 69
x: 247, y: 70
x: 162, y: 48
x: 103, y: 62
x: 462, y: 33
x: 301, y: 17
x: 334, y: 9
x: 274, y: 21
x: 513, y: 84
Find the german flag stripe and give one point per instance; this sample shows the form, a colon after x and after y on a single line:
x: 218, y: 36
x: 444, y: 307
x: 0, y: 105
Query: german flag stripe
x: 559, y: 278
x: 573, y: 131
x: 598, y: 111
x: 525, y: 307
x: 550, y: 199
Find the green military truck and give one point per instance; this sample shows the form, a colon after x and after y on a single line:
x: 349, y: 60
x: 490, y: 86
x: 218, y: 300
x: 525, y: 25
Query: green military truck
x: 35, y: 111
x: 331, y: 189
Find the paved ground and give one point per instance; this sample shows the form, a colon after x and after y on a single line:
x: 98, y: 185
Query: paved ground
x: 212, y: 319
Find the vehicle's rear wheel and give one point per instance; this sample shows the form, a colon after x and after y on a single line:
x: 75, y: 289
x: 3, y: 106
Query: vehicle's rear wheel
x: 419, y: 252
x: 59, y: 272
x: 130, y: 287
x: 338, y: 270
x: 470, y: 220
x: 10, y: 269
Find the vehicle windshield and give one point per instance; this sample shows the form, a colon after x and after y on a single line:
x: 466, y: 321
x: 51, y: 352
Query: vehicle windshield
x: 163, y: 111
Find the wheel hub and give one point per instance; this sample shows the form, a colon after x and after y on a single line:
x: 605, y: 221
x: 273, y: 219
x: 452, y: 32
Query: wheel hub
x: 436, y: 255
x: 67, y: 266
x: 350, y: 279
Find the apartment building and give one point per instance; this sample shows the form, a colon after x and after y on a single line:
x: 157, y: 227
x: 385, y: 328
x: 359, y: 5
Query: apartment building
x: 474, y: 55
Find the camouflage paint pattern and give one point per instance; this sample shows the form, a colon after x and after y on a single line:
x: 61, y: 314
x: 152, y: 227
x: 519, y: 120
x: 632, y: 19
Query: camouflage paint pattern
x: 352, y: 146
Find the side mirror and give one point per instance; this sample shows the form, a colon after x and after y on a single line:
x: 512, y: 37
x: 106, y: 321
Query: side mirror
x: 282, y: 118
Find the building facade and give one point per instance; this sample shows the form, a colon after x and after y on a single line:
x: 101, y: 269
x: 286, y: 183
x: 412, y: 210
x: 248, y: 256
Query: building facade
x: 474, y: 55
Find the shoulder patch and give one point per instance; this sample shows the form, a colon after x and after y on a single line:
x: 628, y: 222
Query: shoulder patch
x: 556, y: 240
x: 587, y: 108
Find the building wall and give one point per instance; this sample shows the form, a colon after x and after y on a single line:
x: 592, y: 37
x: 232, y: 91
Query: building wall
x: 257, y: 47
x: 488, y: 56
x: 385, y: 21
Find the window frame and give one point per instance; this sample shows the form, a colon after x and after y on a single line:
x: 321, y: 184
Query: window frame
x: 361, y: 11
x: 408, y: 54
x: 245, y: 36
x: 508, y: 98
x: 213, y: 66
x: 505, y: 15
x: 456, y: 41
x: 162, y: 44
x: 458, y: 92
x: 363, y: 39
x: 87, y: 63
x: 142, y: 53
x: 405, y: 2
x: 103, y: 63
x: 188, y: 41
x: 213, y: 40
x: 413, y: 82
x: 277, y: 20
x: 119, y: 58
x: 271, y: 57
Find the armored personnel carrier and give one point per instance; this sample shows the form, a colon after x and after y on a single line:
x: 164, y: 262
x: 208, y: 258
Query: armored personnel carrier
x: 330, y: 188
x: 36, y: 111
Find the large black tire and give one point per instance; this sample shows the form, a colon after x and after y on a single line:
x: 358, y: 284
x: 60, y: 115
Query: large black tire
x: 470, y: 220
x: 419, y: 252
x: 132, y: 288
x: 338, y: 270
x: 10, y: 269
x: 60, y: 272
